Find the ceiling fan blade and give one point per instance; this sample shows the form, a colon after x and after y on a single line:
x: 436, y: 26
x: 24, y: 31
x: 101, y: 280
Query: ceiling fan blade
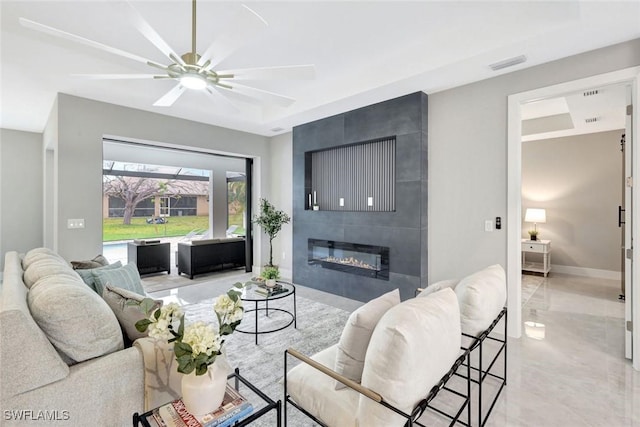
x: 244, y: 26
x: 290, y: 72
x: 170, y: 97
x: 68, y: 36
x: 152, y: 35
x: 217, y: 97
x: 116, y: 76
x: 259, y: 94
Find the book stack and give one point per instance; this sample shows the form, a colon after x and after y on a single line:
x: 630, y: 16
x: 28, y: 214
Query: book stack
x: 262, y: 289
x: 174, y: 414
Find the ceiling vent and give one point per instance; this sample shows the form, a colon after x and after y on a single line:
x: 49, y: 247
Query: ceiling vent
x: 278, y: 129
x: 590, y: 92
x: 510, y: 62
x: 591, y: 120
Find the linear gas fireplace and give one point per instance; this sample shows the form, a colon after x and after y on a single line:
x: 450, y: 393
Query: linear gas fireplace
x: 353, y: 258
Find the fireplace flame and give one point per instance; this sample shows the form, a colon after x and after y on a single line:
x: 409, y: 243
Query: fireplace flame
x: 351, y: 261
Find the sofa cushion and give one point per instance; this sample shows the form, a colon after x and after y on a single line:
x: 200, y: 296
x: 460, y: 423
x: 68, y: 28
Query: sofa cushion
x: 481, y: 296
x: 120, y: 301
x: 356, y: 334
x: 87, y: 274
x: 96, y: 262
x: 126, y: 277
x: 438, y: 286
x: 413, y: 346
x: 44, y: 267
x: 38, y: 254
x: 76, y: 320
x: 316, y: 392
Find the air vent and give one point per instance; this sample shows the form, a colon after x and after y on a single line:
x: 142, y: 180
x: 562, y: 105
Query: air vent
x: 510, y: 62
x: 590, y: 92
x: 277, y: 129
x: 591, y: 120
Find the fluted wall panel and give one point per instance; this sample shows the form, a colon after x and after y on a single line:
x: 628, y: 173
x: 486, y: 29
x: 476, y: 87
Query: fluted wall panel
x: 355, y: 173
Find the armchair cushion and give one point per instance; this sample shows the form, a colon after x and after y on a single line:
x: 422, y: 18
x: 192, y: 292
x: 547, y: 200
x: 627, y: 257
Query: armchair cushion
x: 356, y: 334
x: 413, y: 346
x: 315, y: 392
x: 482, y: 296
x: 44, y: 267
x: 37, y: 254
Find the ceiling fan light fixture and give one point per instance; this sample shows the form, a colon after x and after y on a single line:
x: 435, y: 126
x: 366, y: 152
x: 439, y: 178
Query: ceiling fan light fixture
x: 193, y: 81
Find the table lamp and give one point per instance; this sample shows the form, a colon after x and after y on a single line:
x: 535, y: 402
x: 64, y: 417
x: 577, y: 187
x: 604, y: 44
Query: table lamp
x: 535, y: 216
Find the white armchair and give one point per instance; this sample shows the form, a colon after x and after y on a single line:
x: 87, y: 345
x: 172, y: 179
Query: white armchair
x: 414, y: 349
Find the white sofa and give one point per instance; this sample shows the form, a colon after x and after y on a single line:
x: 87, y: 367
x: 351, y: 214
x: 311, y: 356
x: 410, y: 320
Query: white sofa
x: 90, y: 379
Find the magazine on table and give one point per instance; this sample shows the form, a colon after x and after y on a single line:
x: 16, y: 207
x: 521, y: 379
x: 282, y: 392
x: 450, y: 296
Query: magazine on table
x: 174, y: 414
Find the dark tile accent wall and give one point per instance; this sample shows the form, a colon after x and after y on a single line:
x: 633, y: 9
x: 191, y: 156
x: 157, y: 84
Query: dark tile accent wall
x: 403, y: 231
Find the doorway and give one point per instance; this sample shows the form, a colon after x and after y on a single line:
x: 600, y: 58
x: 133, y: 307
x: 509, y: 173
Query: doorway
x: 629, y: 77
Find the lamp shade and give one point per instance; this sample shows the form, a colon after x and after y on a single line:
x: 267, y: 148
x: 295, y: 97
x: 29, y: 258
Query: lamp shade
x: 535, y: 215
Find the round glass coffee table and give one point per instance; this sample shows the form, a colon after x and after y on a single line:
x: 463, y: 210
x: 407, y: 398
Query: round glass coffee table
x: 253, y: 292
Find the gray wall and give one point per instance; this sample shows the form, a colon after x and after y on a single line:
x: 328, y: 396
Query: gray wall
x: 578, y: 180
x: 82, y: 123
x: 404, y: 231
x: 468, y: 157
x: 21, y: 182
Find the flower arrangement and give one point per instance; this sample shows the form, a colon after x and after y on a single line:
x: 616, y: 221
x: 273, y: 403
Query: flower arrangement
x: 195, y: 345
x: 270, y: 273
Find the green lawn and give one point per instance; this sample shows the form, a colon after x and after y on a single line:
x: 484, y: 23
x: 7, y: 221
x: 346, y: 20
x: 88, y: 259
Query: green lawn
x: 114, y: 229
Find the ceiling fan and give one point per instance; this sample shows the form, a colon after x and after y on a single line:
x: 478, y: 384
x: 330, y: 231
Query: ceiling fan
x: 193, y: 70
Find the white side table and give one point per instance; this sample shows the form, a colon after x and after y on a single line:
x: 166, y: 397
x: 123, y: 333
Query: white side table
x: 539, y: 247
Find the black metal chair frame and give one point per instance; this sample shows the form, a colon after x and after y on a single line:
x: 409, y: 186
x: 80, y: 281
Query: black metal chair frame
x: 482, y: 374
x: 412, y: 419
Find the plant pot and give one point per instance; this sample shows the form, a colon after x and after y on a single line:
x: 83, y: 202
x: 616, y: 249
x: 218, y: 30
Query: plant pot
x: 202, y: 394
x: 316, y: 207
x: 534, y: 237
x: 270, y: 283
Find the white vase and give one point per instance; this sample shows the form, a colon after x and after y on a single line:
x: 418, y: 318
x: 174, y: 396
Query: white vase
x: 202, y: 394
x: 270, y: 283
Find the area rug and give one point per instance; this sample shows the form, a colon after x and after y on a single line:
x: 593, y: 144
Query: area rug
x: 318, y: 327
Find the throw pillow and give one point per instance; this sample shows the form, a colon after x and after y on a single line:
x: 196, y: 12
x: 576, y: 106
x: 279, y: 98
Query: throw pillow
x: 75, y: 320
x: 38, y: 254
x: 98, y: 261
x: 44, y: 267
x: 438, y: 286
x: 356, y: 334
x: 126, y: 277
x: 119, y: 300
x: 481, y: 296
x: 87, y: 275
x: 412, y: 348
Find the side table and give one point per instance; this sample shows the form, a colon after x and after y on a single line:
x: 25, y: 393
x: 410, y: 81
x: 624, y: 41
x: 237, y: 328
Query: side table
x: 141, y: 419
x: 151, y: 257
x: 542, y: 247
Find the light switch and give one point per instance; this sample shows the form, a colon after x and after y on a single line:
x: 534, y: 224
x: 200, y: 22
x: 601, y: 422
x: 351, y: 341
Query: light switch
x: 488, y: 225
x: 75, y: 223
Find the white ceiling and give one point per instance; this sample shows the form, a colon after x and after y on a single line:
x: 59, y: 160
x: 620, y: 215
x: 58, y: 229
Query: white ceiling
x: 364, y: 52
x: 588, y: 111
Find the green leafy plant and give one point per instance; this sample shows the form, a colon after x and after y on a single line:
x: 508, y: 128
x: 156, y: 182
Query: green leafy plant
x: 271, y: 220
x: 195, y: 345
x: 269, y: 273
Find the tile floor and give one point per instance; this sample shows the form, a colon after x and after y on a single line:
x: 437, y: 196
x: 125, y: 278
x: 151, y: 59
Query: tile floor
x: 568, y: 370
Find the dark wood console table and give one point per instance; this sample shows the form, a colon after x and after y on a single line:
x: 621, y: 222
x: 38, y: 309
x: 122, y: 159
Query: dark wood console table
x: 151, y: 257
x: 204, y: 257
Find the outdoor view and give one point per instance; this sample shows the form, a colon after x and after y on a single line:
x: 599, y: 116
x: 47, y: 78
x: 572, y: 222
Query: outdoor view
x: 147, y: 201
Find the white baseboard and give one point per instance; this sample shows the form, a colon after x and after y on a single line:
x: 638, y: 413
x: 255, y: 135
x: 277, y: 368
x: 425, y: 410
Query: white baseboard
x: 586, y: 272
